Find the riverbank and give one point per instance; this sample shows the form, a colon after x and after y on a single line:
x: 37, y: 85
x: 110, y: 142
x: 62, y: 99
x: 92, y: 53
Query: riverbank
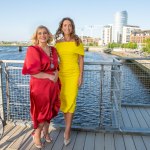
x: 129, y: 53
x: 135, y: 57
x: 94, y: 48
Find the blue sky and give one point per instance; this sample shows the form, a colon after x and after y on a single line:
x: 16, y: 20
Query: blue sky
x: 19, y: 18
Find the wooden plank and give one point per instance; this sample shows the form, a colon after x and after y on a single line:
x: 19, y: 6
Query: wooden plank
x: 8, y: 128
x: 99, y: 141
x: 140, y: 118
x: 139, y: 144
x: 16, y: 136
x: 129, y: 143
x: 58, y: 145
x: 119, y: 142
x: 148, y: 110
x: 54, y: 134
x: 146, y: 140
x: 145, y: 116
x: 28, y: 144
x: 22, y: 138
x: 89, y: 141
x: 73, y: 139
x: 126, y: 119
x: 5, y: 142
x: 109, y: 142
x: 80, y: 140
x: 133, y: 118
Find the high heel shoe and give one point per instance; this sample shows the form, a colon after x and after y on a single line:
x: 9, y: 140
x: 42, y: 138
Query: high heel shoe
x: 37, y: 146
x: 49, y: 139
x: 66, y: 141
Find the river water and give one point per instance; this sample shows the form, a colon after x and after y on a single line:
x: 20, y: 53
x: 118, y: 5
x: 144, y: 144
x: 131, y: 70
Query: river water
x: 135, y: 90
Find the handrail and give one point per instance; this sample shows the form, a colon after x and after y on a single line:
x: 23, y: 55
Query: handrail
x: 86, y: 63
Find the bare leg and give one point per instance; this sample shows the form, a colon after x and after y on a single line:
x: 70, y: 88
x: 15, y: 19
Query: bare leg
x: 45, y: 128
x: 46, y: 132
x: 68, y: 121
x: 37, y: 134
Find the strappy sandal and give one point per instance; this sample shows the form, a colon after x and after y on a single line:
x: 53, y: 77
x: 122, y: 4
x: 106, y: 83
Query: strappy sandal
x: 49, y: 139
x: 37, y: 146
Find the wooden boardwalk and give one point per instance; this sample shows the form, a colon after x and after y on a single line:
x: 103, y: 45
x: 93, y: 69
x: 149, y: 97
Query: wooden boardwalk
x: 135, y: 119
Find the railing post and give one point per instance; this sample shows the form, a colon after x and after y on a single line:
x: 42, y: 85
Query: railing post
x: 7, y: 92
x: 1, y: 95
x: 101, y: 96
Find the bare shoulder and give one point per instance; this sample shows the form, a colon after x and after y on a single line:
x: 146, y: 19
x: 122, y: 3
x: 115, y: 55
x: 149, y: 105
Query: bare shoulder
x: 59, y: 41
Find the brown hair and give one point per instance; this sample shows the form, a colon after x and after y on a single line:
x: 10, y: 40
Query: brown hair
x: 34, y: 37
x: 73, y: 35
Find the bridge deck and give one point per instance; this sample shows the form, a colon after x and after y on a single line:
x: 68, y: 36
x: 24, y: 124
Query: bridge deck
x: 134, y: 119
x: 19, y: 138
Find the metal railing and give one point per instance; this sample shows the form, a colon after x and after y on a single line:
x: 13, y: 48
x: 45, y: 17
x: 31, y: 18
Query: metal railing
x: 135, y: 81
x: 98, y: 102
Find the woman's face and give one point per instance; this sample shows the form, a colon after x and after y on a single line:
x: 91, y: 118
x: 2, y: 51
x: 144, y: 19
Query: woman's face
x: 42, y: 35
x: 67, y: 27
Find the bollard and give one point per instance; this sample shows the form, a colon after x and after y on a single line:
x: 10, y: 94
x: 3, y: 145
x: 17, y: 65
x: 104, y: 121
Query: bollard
x: 20, y: 48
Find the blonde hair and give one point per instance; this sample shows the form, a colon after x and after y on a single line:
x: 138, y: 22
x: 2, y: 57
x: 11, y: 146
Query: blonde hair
x: 34, y: 39
x: 73, y: 34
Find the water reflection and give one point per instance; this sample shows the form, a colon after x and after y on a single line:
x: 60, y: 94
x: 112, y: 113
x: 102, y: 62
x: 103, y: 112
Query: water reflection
x: 136, y: 89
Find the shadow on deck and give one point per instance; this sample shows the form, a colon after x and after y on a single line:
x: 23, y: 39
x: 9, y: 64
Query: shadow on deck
x: 134, y: 120
x: 19, y: 138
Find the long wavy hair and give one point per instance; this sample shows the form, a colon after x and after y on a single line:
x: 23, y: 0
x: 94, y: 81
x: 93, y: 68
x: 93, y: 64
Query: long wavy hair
x: 34, y: 39
x: 60, y: 33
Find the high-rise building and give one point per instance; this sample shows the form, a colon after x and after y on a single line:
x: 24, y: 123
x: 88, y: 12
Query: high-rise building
x: 121, y: 19
x: 107, y: 34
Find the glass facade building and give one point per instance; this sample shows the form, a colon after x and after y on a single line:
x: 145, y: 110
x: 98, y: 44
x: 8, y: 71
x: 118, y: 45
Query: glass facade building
x: 120, y: 20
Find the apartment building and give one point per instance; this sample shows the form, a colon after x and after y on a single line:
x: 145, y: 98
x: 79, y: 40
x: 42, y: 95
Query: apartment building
x: 138, y: 36
x: 126, y: 31
x: 107, y: 34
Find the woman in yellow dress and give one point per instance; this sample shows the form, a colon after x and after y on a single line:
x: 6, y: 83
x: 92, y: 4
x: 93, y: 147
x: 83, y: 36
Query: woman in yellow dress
x: 71, y: 53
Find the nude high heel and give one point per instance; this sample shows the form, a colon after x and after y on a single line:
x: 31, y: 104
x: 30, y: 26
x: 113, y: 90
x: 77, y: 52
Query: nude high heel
x: 66, y: 142
x: 48, y: 140
x: 37, y: 146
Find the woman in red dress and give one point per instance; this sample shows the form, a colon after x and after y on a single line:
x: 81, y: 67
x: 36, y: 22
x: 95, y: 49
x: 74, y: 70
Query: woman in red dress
x: 41, y: 62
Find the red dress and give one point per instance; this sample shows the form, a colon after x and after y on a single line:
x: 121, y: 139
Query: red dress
x: 44, y: 93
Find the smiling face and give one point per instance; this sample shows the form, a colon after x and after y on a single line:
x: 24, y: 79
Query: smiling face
x: 42, y: 35
x: 67, y: 27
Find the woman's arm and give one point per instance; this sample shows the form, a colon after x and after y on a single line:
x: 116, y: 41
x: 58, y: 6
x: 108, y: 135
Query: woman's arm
x: 81, y: 67
x: 44, y: 75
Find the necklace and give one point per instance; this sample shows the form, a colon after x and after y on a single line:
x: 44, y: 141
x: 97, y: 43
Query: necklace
x: 51, y: 59
x: 48, y: 51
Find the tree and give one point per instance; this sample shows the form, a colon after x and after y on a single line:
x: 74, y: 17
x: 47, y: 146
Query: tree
x: 146, y: 45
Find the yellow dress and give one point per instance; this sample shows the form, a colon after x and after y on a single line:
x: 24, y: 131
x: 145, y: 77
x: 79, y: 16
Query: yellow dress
x: 69, y: 73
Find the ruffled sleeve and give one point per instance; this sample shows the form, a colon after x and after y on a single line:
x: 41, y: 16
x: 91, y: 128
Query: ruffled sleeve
x: 32, y: 63
x: 80, y: 49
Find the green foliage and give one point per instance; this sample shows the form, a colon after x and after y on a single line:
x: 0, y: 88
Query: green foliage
x: 127, y: 45
x: 113, y: 45
x: 91, y: 44
x: 146, y: 46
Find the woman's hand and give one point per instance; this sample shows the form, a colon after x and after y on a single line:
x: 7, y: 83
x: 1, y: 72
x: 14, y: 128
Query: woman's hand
x: 80, y: 80
x: 54, y: 77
